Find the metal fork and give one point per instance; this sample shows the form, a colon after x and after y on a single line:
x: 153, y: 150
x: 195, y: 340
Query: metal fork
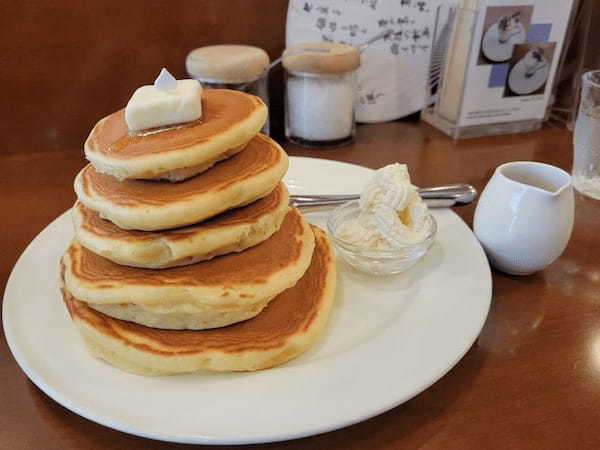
x: 434, y: 196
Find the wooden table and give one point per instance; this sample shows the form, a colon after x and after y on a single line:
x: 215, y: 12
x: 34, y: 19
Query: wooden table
x: 531, y: 380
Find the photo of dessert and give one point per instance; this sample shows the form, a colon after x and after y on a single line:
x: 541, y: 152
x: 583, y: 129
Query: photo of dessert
x: 505, y: 27
x: 187, y: 254
x: 530, y: 68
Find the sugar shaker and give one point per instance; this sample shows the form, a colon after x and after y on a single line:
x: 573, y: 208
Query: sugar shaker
x: 238, y: 67
x: 320, y: 93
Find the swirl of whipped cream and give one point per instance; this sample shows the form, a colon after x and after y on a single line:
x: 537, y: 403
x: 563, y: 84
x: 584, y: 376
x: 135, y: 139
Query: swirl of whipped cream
x: 388, y: 187
x: 392, y: 213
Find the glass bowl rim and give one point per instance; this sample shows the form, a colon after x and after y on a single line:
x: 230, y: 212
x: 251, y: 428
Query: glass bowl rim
x: 368, y: 252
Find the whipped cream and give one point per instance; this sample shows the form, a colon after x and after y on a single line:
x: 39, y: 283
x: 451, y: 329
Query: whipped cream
x: 392, y: 214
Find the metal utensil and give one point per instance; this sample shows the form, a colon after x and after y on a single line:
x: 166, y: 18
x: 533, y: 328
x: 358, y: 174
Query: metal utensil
x: 434, y: 196
x: 278, y: 61
x: 361, y: 48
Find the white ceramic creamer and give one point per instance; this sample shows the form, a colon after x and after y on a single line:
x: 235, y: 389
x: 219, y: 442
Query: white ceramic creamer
x: 524, y: 216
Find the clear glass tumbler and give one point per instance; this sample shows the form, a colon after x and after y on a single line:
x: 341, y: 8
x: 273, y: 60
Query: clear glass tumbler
x: 586, y: 138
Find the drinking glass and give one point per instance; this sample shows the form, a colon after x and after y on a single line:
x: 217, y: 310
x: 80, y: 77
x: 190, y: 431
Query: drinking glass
x: 586, y: 138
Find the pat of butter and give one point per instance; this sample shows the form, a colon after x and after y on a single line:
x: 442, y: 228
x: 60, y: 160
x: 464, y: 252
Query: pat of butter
x: 150, y: 107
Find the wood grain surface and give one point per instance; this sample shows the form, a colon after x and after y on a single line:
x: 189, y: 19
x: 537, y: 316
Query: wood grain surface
x: 69, y: 62
x: 531, y: 380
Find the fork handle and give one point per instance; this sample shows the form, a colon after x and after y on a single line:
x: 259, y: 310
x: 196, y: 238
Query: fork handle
x: 434, y: 196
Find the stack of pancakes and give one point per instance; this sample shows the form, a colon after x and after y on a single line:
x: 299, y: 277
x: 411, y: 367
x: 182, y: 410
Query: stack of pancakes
x: 187, y: 254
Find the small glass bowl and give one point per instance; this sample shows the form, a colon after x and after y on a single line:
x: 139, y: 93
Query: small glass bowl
x: 374, y: 261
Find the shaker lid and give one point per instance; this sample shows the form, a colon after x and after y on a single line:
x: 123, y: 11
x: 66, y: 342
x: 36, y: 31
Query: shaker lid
x: 227, y: 63
x: 321, y: 57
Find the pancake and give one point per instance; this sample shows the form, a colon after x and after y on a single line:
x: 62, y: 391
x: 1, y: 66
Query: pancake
x: 231, y: 231
x: 207, y: 318
x: 229, y: 120
x: 288, y: 326
x: 216, y: 291
x: 158, y: 205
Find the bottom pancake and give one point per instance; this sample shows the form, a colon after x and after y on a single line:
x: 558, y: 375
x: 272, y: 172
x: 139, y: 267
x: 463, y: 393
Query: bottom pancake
x: 288, y: 326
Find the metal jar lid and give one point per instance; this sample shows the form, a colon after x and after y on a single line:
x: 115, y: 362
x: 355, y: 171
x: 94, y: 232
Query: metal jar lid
x: 227, y: 63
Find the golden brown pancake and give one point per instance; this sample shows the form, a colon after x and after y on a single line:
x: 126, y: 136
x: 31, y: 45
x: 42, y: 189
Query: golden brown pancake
x: 285, y: 328
x: 159, y: 205
x: 216, y: 291
x: 229, y: 120
x: 231, y: 231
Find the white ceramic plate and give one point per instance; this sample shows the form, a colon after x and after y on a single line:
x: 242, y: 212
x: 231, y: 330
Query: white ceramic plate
x: 520, y: 84
x: 496, y: 51
x: 388, y: 339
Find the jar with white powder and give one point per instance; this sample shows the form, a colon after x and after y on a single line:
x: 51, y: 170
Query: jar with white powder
x: 320, y: 92
x: 237, y: 67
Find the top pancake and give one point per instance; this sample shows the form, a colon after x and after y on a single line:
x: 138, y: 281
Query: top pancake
x: 285, y: 328
x: 229, y: 120
x: 156, y: 205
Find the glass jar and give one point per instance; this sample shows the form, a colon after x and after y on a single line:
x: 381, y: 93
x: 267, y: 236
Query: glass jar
x: 586, y: 138
x: 319, y: 108
x: 236, y: 67
x: 320, y: 93
x: 258, y: 87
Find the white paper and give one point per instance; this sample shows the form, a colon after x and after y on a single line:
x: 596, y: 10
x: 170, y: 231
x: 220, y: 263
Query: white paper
x: 393, y: 76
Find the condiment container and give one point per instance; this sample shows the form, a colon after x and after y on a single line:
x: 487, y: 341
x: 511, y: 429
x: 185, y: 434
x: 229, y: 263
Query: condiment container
x: 375, y: 261
x: 237, y: 67
x: 320, y: 93
x: 524, y: 216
